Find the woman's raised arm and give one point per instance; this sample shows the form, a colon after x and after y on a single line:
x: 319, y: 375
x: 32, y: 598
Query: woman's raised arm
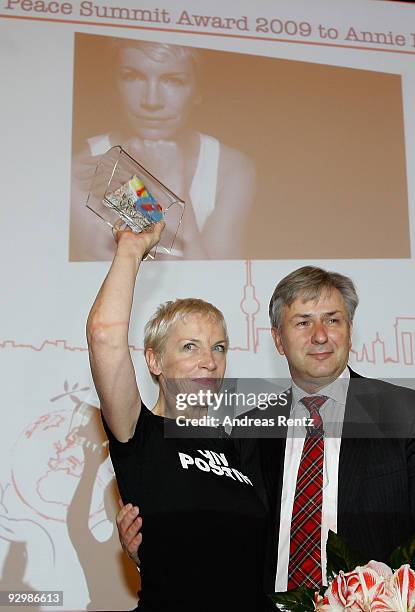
x: 107, y: 333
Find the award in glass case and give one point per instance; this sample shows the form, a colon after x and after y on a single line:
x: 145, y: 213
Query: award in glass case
x: 122, y: 188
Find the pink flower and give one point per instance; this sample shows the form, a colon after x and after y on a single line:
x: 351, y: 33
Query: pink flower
x: 357, y: 590
x: 335, y: 597
x: 400, y: 592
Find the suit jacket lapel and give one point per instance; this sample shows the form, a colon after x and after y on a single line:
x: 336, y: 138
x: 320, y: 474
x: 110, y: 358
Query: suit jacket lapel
x: 350, y: 460
x: 360, y: 423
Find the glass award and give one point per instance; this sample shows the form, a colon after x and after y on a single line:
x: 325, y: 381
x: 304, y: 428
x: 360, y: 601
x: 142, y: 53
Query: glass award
x: 123, y: 189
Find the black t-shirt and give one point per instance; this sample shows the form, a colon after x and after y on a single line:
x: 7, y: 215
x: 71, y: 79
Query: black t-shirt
x: 204, y: 526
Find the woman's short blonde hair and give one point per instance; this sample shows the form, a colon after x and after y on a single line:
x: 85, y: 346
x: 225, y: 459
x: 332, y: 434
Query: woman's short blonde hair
x: 156, y: 331
x: 160, y: 52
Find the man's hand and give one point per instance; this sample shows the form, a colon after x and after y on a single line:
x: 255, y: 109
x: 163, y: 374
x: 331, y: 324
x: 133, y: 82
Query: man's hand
x: 129, y: 524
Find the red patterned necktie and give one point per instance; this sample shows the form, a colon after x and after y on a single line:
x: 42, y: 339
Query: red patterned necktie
x: 304, y: 568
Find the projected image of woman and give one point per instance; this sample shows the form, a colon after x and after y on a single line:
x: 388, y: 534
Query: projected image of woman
x: 157, y: 86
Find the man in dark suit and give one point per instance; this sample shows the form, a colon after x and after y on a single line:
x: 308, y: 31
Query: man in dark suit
x: 375, y: 498
x: 367, y: 472
x: 353, y: 470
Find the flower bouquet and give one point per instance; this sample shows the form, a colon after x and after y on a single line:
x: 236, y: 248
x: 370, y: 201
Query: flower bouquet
x: 370, y: 587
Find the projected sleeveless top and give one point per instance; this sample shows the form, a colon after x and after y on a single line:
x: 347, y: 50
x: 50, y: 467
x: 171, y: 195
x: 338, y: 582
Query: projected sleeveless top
x: 203, y: 523
x: 205, y: 179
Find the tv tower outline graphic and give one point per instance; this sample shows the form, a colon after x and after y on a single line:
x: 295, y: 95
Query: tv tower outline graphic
x: 373, y: 352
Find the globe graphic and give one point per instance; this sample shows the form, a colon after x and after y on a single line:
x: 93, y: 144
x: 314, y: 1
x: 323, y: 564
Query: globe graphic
x: 48, y: 460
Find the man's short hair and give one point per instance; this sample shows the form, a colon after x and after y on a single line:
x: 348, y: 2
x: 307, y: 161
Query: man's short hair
x: 308, y: 283
x: 157, y: 329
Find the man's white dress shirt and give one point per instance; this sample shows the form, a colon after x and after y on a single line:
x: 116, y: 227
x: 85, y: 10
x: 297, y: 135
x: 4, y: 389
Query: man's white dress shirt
x: 332, y: 414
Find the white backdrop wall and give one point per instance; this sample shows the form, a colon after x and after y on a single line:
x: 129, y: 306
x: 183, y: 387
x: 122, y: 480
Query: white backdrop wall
x: 45, y: 297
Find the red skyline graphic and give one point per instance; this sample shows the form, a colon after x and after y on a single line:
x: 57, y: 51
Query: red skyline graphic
x: 371, y: 351
x: 403, y: 352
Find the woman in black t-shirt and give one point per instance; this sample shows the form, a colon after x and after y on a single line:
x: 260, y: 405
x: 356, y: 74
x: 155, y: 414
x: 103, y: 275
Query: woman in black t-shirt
x: 203, y: 524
